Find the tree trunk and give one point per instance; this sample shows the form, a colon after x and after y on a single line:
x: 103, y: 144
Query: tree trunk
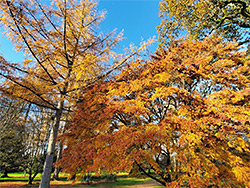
x: 30, y: 177
x: 5, y: 174
x: 59, y: 154
x: 45, y: 181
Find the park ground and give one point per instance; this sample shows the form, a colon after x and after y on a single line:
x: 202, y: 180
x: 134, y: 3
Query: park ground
x: 19, y: 180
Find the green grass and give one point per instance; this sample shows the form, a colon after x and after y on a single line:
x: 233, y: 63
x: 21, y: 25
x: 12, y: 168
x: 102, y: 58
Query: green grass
x: 16, y: 174
x: 19, y: 177
x: 96, y: 180
x: 121, y: 182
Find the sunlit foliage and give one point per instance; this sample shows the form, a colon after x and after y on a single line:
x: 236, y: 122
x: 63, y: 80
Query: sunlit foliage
x: 201, y: 18
x: 184, y: 113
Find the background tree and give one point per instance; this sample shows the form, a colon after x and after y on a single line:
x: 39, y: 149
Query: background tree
x: 12, y: 148
x: 65, y: 54
x: 37, y: 127
x: 11, y: 152
x: 229, y: 18
x: 23, y: 139
x: 184, y: 113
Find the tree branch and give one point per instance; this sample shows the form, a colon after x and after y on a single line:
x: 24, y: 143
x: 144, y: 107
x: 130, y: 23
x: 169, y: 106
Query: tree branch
x: 149, y: 175
x: 243, y: 11
x: 27, y: 44
x: 53, y: 25
x: 29, y: 89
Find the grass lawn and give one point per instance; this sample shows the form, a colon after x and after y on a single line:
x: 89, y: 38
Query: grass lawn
x: 20, y: 180
x: 19, y: 177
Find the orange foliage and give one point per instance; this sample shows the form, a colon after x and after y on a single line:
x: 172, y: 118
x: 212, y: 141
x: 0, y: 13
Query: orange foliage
x: 184, y: 113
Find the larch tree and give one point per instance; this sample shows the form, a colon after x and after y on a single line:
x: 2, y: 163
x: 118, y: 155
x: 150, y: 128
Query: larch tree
x: 229, y: 18
x: 184, y: 114
x: 65, y: 53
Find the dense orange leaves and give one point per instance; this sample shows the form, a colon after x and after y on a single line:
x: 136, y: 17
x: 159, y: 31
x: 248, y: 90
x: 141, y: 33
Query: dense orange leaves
x: 184, y: 113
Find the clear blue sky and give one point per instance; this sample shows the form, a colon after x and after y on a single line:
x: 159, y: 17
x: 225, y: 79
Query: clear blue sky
x: 138, y: 19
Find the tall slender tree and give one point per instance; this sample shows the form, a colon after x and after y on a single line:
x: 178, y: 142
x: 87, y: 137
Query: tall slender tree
x: 65, y: 54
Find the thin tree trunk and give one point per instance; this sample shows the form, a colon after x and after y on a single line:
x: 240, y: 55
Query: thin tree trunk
x: 30, y: 177
x: 59, y: 153
x: 45, y: 181
x: 5, y: 174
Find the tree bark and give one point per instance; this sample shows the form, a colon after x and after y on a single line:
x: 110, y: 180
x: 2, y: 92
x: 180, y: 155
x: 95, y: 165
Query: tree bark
x: 31, y: 178
x: 59, y: 154
x: 45, y: 181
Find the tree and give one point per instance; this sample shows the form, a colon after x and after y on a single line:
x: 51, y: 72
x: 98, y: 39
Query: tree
x: 229, y: 18
x: 38, y: 123
x: 60, y: 148
x: 11, y: 136
x: 65, y: 54
x: 11, y: 152
x: 184, y: 113
x: 23, y: 137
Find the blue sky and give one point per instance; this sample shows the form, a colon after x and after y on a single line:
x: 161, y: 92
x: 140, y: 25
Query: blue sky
x: 138, y: 19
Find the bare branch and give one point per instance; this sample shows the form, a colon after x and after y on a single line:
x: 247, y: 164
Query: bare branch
x: 149, y: 175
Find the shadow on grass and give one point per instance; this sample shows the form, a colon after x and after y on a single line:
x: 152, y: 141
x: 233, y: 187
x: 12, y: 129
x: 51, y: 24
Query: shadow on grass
x: 17, y: 179
x: 120, y: 183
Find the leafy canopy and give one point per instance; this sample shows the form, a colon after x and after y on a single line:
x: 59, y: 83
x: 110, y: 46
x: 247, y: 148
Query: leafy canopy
x: 64, y: 51
x: 184, y: 113
x: 200, y: 18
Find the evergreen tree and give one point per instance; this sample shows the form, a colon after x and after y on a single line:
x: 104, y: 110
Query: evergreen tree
x: 11, y: 136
